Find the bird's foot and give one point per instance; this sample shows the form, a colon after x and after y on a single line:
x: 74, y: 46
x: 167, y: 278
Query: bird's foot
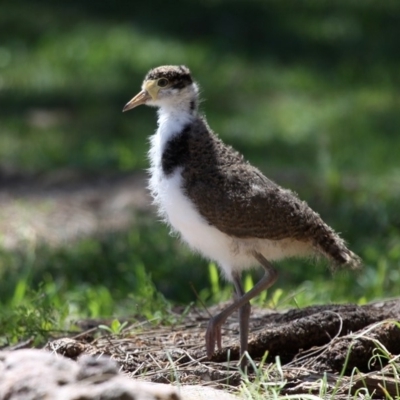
x: 213, y: 335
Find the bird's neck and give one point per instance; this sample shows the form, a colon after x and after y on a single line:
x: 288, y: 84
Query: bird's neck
x: 173, y: 118
x: 184, y: 108
x: 180, y: 109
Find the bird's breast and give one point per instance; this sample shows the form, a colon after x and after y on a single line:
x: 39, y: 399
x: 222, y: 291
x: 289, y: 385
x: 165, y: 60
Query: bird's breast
x: 181, y: 214
x: 175, y: 152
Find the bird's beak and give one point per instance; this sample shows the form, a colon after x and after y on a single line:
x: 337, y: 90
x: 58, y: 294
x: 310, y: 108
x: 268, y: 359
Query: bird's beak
x: 139, y: 99
x: 148, y: 93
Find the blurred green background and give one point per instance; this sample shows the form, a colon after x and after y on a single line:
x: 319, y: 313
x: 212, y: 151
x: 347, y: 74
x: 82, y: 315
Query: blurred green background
x: 307, y: 90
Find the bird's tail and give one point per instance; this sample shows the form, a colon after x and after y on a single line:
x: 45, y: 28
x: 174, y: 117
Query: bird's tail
x: 333, y: 247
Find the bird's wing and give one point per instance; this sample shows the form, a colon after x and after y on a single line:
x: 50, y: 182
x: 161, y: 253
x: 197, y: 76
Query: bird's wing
x: 247, y: 205
x: 238, y: 199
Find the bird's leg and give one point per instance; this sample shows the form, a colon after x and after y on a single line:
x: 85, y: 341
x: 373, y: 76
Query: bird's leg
x: 213, y: 333
x: 244, y: 317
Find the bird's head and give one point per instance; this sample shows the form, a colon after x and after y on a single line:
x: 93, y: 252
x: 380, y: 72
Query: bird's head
x: 167, y: 87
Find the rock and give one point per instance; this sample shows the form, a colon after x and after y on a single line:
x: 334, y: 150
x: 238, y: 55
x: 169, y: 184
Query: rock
x: 40, y: 375
x: 36, y: 375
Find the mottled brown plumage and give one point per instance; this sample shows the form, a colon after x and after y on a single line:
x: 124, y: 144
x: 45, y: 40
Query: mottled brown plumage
x: 220, y: 204
x: 240, y: 201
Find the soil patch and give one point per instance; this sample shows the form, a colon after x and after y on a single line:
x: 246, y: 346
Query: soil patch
x: 66, y: 205
x: 355, y: 346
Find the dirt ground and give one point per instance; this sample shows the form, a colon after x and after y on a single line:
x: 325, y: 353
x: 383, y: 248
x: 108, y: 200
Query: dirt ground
x: 63, y: 206
x: 351, y: 347
x: 358, y: 345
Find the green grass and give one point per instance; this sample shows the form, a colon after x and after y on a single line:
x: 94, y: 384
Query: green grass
x: 308, y: 91
x: 131, y: 274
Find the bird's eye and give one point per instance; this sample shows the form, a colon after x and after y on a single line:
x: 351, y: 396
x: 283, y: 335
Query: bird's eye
x: 162, y: 82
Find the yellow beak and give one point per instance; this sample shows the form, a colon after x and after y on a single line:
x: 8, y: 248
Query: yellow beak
x: 139, y: 99
x: 149, y: 93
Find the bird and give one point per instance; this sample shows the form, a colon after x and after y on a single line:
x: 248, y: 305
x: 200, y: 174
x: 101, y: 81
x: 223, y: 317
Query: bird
x: 222, y: 206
